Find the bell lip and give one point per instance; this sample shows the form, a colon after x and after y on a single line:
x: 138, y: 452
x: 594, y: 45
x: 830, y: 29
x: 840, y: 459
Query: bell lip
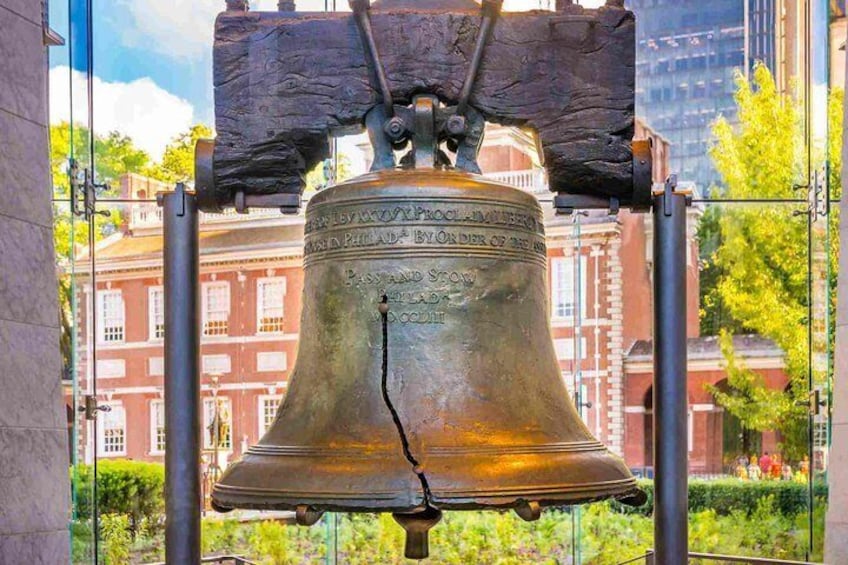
x: 229, y: 497
x: 405, y: 183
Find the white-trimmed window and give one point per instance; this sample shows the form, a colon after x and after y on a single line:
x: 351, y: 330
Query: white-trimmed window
x: 110, y: 316
x: 156, y: 366
x: 218, y: 364
x: 268, y: 407
x: 565, y: 348
x: 564, y: 295
x: 271, y: 361
x: 111, y: 368
x: 270, y: 297
x: 690, y: 429
x: 157, y: 426
x: 222, y: 429
x: 156, y: 312
x: 216, y: 308
x: 112, y: 439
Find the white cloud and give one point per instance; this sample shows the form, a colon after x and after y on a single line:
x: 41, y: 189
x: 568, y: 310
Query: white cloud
x: 140, y: 109
x: 185, y: 28
x: 177, y: 28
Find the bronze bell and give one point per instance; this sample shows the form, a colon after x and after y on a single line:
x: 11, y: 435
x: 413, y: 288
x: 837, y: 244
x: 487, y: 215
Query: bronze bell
x: 426, y: 378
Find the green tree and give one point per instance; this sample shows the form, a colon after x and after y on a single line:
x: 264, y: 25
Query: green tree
x: 115, y: 155
x: 758, y: 268
x: 178, y: 160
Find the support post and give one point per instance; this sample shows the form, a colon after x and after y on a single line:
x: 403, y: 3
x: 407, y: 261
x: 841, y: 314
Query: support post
x: 182, y: 379
x: 670, y: 395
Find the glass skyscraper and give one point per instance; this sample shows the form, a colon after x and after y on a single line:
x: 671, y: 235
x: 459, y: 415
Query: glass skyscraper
x: 686, y: 55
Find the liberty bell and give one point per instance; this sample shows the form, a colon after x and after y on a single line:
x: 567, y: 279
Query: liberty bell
x: 426, y: 378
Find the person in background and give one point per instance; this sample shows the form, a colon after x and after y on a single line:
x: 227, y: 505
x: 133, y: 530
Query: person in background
x: 765, y: 464
x: 741, y: 469
x: 786, y: 471
x: 754, y: 471
x: 804, y: 466
x: 776, y: 467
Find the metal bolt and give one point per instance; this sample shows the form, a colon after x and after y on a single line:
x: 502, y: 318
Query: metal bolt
x: 394, y: 128
x: 456, y: 125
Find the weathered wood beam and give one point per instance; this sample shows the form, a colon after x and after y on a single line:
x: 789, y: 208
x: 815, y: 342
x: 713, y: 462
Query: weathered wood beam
x: 285, y: 82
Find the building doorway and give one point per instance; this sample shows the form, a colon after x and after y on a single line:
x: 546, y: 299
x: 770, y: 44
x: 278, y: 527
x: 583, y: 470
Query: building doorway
x: 737, y: 440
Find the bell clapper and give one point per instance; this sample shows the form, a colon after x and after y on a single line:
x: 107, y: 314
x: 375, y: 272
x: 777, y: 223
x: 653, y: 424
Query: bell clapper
x: 417, y: 526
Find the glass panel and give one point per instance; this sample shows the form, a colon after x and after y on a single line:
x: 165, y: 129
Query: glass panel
x: 67, y: 236
x: 766, y: 270
x: 749, y: 371
x: 118, y: 365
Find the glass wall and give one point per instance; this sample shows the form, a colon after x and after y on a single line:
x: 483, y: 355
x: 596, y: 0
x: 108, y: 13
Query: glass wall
x: 739, y: 96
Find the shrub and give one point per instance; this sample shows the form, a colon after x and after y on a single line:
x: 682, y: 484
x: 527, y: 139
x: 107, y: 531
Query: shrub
x: 725, y: 496
x: 117, y: 538
x: 81, y: 543
x: 133, y: 488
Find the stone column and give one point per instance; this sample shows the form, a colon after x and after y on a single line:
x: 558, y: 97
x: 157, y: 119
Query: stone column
x: 34, y: 501
x: 836, y: 522
x: 836, y: 526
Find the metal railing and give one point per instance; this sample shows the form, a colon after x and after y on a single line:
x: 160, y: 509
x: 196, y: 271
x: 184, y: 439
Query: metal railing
x: 531, y: 180
x: 648, y: 559
x: 220, y: 560
x: 150, y: 215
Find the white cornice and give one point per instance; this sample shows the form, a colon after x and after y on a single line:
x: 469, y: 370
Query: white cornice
x: 214, y: 262
x: 252, y: 385
x: 224, y: 340
x: 709, y: 364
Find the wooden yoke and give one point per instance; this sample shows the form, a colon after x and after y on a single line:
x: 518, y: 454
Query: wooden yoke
x: 287, y: 81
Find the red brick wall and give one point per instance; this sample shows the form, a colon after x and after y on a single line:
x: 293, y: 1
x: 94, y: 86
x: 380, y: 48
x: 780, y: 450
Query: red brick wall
x: 499, y: 158
x: 705, y: 455
x: 241, y: 345
x: 637, y: 291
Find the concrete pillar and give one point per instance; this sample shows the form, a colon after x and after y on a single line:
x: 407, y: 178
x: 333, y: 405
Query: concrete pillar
x: 34, y: 501
x: 836, y: 522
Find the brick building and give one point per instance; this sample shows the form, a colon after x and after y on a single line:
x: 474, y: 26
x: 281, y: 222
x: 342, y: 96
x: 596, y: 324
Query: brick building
x: 252, y: 280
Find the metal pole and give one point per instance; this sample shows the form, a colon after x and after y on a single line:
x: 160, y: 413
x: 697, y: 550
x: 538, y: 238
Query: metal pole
x: 182, y: 382
x: 670, y: 395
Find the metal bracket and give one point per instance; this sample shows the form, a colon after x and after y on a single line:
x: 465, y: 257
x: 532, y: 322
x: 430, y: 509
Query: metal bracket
x: 491, y: 11
x: 362, y: 16
x: 424, y: 136
x: 818, y: 195
x: 567, y: 204
x: 86, y: 189
x: 90, y: 407
x: 462, y: 134
x: 390, y: 126
x: 668, y: 191
x: 814, y: 402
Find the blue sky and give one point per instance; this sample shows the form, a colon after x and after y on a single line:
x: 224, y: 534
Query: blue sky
x: 152, y: 63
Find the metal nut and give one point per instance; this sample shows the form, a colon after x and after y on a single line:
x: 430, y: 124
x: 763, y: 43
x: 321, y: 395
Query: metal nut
x: 456, y: 125
x: 394, y: 128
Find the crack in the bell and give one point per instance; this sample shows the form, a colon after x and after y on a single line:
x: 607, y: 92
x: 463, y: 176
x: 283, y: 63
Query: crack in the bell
x: 407, y: 452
